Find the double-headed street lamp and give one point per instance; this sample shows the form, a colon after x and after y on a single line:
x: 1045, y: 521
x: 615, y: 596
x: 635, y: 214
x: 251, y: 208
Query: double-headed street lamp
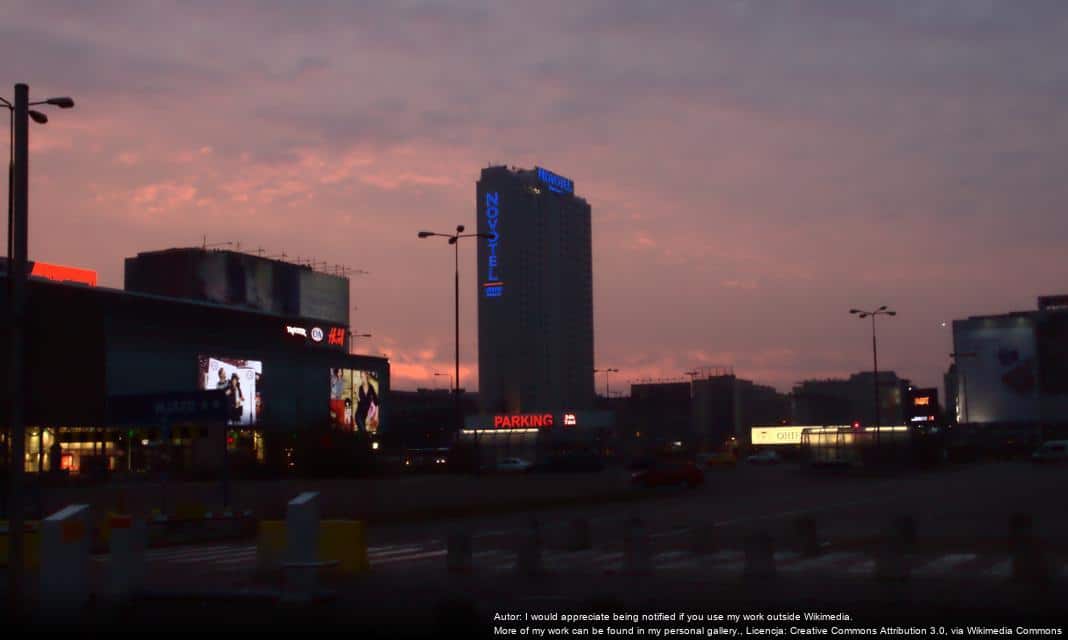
x: 606, y: 372
x: 881, y: 311
x: 447, y: 375
x: 454, y: 239
x: 18, y: 243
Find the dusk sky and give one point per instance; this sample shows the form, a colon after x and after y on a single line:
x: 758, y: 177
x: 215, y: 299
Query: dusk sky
x: 755, y: 169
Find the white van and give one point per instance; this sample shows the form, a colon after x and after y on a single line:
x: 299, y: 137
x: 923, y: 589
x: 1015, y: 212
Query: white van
x: 1052, y: 451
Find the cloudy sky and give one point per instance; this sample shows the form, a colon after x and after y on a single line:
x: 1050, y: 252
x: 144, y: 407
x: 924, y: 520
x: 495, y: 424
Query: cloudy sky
x: 755, y: 168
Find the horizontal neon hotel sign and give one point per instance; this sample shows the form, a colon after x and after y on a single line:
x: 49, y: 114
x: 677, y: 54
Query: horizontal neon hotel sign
x: 555, y: 183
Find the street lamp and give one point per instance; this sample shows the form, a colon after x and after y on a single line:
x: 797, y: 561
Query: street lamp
x: 18, y: 243
x: 606, y: 372
x: 881, y: 311
x: 454, y: 239
x: 447, y: 375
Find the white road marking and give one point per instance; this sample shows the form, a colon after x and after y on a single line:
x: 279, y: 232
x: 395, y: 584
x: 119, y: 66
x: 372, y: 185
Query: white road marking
x: 944, y: 564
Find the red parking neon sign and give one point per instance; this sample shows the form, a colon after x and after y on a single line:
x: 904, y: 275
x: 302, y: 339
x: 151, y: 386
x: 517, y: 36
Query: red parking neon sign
x: 523, y: 421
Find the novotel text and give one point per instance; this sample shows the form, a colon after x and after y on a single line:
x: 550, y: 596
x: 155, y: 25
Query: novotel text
x: 493, y: 286
x: 523, y: 421
x: 558, y: 184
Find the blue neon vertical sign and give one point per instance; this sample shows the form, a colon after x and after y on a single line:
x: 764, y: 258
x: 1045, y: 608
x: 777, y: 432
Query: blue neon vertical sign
x: 494, y: 286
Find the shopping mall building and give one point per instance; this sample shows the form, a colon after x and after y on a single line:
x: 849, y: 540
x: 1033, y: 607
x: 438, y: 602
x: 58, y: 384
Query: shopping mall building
x: 266, y: 340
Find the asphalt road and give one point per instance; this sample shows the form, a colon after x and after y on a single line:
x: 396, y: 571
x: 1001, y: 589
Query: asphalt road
x: 960, y: 569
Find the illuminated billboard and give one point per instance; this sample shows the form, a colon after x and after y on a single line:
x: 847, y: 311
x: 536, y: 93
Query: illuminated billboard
x: 240, y: 380
x: 997, y: 370
x: 354, y: 400
x: 242, y: 280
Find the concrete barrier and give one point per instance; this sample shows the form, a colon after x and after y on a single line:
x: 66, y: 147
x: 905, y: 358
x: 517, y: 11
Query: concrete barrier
x: 759, y: 557
x: 127, y: 546
x: 344, y: 541
x: 806, y: 536
x: 65, y: 540
x: 31, y: 544
x: 529, y: 562
x: 270, y: 546
x: 578, y: 535
x: 637, y: 555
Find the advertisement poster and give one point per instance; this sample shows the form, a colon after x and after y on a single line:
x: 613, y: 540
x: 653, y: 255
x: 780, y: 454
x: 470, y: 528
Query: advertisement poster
x: 999, y: 382
x: 354, y: 400
x: 240, y: 379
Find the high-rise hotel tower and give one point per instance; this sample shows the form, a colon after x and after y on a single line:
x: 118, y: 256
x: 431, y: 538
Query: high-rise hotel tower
x: 535, y: 293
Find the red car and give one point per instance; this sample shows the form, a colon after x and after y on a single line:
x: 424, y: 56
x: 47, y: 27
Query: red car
x: 667, y: 474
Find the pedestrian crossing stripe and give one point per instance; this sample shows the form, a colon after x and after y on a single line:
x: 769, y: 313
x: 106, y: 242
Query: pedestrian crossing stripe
x: 235, y: 558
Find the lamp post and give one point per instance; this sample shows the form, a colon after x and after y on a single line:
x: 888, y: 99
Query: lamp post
x: 18, y: 243
x: 454, y: 239
x: 447, y: 375
x: 881, y: 311
x: 606, y: 372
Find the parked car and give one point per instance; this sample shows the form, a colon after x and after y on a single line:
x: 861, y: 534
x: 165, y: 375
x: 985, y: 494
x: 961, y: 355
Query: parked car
x: 764, y: 457
x: 512, y: 465
x: 669, y: 473
x: 1052, y: 451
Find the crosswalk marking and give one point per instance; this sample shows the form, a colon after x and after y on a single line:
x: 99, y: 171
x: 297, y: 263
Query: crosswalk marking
x: 944, y: 564
x: 440, y: 553
x: 824, y: 561
x: 242, y: 558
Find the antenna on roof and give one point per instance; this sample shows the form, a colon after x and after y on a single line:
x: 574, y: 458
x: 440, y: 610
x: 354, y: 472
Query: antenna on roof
x: 281, y: 256
x: 205, y: 246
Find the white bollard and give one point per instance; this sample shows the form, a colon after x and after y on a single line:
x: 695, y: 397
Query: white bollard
x: 302, y: 547
x: 302, y: 528
x: 65, y: 560
x: 459, y: 558
x: 637, y: 559
x: 128, y: 541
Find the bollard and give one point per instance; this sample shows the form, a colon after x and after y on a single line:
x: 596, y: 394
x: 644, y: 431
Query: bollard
x: 759, y: 556
x: 127, y: 546
x: 1029, y: 561
x: 637, y: 559
x: 892, y: 562
x: 579, y: 538
x: 806, y: 537
x: 459, y: 558
x: 529, y: 560
x: 705, y: 538
x: 65, y: 560
x: 302, y: 547
x: 903, y: 530
x: 1021, y: 529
